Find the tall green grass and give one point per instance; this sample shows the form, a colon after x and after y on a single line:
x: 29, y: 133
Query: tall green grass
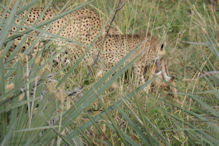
x: 33, y: 110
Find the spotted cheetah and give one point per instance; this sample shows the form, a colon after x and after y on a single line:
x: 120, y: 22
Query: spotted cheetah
x: 84, y: 26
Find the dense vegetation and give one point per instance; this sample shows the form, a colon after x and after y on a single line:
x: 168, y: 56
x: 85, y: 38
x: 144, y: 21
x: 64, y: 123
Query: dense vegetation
x: 123, y: 115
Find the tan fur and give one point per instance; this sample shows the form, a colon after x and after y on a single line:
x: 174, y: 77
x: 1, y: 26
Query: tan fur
x: 83, y: 26
x: 118, y: 46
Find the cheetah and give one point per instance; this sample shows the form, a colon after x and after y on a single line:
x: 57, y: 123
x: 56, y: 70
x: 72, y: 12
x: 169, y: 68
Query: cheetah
x: 84, y: 26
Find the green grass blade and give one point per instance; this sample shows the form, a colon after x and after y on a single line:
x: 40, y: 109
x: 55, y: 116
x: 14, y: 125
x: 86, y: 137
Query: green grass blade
x: 111, y: 108
x: 6, y: 139
x: 9, y: 22
x: 134, y: 127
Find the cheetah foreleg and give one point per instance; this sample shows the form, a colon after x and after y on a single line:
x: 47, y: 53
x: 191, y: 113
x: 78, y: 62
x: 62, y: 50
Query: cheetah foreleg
x: 168, y: 78
x: 164, y: 71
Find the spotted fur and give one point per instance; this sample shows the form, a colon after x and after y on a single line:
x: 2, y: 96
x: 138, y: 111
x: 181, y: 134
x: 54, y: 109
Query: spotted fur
x: 84, y: 26
x: 117, y: 46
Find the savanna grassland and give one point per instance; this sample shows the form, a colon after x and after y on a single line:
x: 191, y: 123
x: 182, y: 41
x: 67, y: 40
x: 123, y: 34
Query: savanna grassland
x: 35, y: 110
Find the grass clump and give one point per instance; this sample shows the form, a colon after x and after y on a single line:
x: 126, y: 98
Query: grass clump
x: 34, y: 110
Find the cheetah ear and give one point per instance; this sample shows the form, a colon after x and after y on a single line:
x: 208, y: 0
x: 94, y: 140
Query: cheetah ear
x: 162, y: 47
x: 163, y: 40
